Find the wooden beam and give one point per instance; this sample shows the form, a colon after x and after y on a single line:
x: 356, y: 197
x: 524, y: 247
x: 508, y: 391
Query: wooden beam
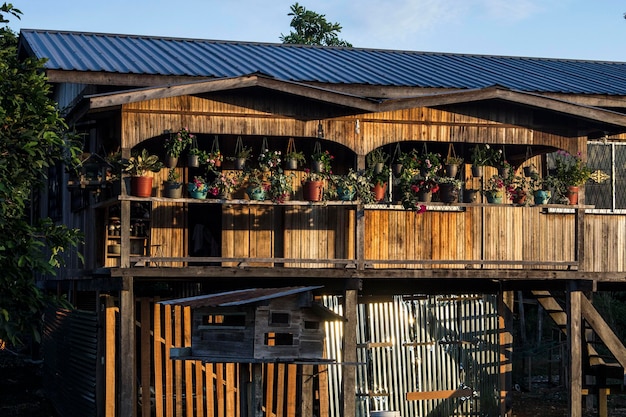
x: 574, y: 344
x: 128, y: 380
x: 602, y: 329
x: 348, y: 382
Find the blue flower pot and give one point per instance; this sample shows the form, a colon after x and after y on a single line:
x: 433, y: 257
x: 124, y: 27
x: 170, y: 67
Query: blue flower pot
x: 256, y: 193
x: 346, y: 194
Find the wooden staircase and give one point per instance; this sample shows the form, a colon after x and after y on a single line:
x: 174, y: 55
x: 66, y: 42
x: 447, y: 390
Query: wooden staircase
x: 594, y: 324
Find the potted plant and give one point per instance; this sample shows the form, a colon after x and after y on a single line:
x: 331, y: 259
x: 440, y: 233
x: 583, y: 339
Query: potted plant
x: 376, y: 160
x: 351, y: 186
x: 380, y: 180
x: 294, y: 159
x: 322, y: 161
x: 269, y: 160
x: 451, y: 166
x: 280, y: 186
x: 313, y: 185
x: 483, y: 155
x: 418, y: 188
x: 224, y: 185
x: 257, y: 186
x: 541, y: 188
x: 241, y: 156
x: 176, y: 144
x: 198, y: 188
x: 193, y: 159
x: 138, y: 166
x: 518, y: 189
x: 449, y: 189
x: 570, y: 173
x: 213, y: 160
x: 428, y: 164
x: 172, y: 188
x: 495, y: 189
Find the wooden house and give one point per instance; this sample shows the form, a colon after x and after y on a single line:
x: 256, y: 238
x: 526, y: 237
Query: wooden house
x: 427, y: 295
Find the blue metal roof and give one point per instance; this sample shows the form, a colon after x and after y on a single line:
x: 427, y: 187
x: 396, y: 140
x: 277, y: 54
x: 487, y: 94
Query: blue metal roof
x: 130, y: 54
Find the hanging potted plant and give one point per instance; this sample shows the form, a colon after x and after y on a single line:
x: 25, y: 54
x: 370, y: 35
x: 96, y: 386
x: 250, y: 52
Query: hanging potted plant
x: 428, y: 164
x: 451, y: 166
x: 176, y: 144
x: 294, y: 160
x: 138, y: 166
x: 241, y: 157
x: 172, y: 188
x: 483, y: 155
x: 376, y: 160
x: 269, y: 160
x: 322, y: 161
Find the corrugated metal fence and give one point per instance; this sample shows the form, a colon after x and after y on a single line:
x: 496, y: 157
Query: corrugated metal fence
x: 431, y: 344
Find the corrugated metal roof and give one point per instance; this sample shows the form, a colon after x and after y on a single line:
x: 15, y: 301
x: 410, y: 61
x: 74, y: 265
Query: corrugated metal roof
x: 238, y: 297
x: 130, y: 54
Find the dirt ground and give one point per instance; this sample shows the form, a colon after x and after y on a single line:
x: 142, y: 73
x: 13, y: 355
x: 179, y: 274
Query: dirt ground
x: 21, y: 394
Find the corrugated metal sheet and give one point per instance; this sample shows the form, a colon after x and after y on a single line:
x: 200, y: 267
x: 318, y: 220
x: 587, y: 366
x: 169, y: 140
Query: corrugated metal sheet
x: 238, y: 297
x: 429, y: 343
x: 70, y: 343
x: 126, y: 54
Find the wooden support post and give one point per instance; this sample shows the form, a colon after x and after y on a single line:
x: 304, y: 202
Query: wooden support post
x: 257, y: 391
x: 128, y: 380
x: 109, y: 361
x: 348, y: 382
x: 574, y: 344
x: 505, y: 308
x: 146, y: 360
x: 580, y: 237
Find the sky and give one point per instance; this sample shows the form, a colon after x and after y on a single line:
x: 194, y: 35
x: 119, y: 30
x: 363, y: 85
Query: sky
x: 570, y: 29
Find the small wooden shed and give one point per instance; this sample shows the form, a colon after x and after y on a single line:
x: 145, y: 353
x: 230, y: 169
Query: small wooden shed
x: 256, y: 325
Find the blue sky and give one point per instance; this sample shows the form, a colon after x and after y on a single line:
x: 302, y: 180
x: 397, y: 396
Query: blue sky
x: 576, y: 29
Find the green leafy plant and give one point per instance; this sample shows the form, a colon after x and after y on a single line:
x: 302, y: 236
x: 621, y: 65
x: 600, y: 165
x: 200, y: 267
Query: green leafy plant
x: 454, y: 160
x: 243, y: 153
x: 377, y: 156
x: 173, y: 175
x: 269, y: 160
x: 325, y: 158
x: 142, y: 162
x: 571, y: 169
x: 483, y: 155
x: 280, y: 186
x: 298, y: 156
x: 357, y: 183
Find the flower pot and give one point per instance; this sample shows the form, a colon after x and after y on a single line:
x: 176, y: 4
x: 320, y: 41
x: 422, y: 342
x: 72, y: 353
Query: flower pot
x: 448, y: 193
x: 378, y: 167
x: 141, y: 186
x: 313, y: 190
x: 256, y: 192
x: 171, y: 161
x: 477, y: 171
x: 572, y: 194
x: 518, y: 197
x: 470, y: 195
x: 193, y: 161
x: 240, y: 163
x: 451, y: 170
x: 291, y: 164
x: 424, y: 196
x: 114, y: 248
x: 317, y: 166
x: 346, y: 194
x: 397, y: 169
x: 495, y: 197
x: 529, y: 171
x: 503, y: 171
x: 172, y: 189
x: 541, y: 196
x: 199, y: 195
x: 379, y: 191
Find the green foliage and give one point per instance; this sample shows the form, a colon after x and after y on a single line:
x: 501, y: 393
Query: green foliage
x: 312, y: 28
x: 33, y: 138
x: 139, y: 164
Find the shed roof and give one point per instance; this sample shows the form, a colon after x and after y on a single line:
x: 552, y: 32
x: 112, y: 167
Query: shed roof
x: 238, y: 297
x: 149, y: 55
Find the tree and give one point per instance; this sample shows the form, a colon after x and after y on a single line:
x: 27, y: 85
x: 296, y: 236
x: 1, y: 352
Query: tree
x: 33, y: 138
x: 312, y: 29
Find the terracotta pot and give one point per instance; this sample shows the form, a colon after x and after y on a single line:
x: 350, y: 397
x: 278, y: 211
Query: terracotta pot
x: 313, y: 190
x: 379, y: 191
x: 519, y: 197
x: 141, y: 186
x: 572, y: 194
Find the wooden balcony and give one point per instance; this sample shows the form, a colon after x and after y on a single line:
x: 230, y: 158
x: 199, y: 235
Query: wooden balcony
x: 353, y: 239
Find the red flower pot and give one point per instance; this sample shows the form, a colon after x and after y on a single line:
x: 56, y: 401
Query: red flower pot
x: 141, y: 186
x: 313, y: 190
